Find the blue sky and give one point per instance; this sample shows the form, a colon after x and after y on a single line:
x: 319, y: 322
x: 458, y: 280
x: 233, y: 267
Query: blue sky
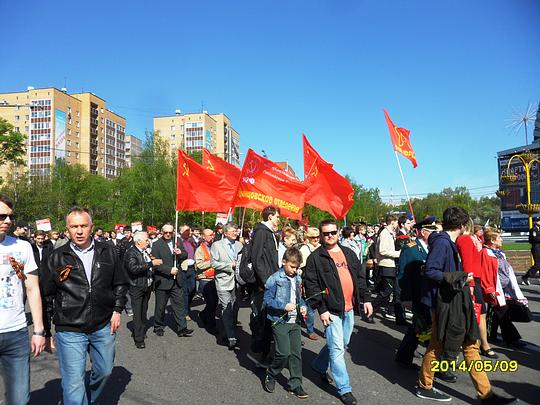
x: 452, y: 72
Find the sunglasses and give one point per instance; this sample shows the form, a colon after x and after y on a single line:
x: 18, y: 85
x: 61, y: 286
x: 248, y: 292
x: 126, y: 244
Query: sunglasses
x: 4, y: 216
x: 18, y: 267
x: 331, y: 233
x: 168, y: 233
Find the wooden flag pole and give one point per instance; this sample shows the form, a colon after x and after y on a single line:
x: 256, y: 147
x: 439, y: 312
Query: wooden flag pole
x: 405, y: 185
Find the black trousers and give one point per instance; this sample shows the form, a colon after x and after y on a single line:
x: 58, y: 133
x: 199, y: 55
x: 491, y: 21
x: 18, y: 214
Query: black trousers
x: 499, y: 316
x: 388, y: 287
x: 261, y: 327
x: 536, y: 267
x: 208, y: 314
x: 139, y: 304
x: 288, y: 340
x: 176, y: 295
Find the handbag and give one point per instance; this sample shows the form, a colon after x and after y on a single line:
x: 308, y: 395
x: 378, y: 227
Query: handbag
x: 518, y: 311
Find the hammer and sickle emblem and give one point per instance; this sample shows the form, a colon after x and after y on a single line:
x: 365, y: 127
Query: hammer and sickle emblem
x: 402, y: 138
x: 210, y: 166
x: 314, y: 171
x: 186, y: 170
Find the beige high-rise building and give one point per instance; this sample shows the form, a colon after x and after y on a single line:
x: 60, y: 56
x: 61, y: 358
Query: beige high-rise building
x: 193, y: 131
x: 134, y: 147
x: 75, y: 127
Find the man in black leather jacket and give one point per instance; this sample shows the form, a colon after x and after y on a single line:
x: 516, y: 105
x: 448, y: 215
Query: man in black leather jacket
x: 138, y: 264
x: 89, y: 286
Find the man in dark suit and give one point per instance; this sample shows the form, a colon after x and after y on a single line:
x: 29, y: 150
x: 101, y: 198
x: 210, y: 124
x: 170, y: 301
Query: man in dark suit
x: 42, y: 249
x: 168, y: 283
x: 139, y: 264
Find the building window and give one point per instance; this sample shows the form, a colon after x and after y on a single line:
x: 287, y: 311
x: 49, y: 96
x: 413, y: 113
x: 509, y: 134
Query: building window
x: 69, y: 110
x: 16, y: 129
x: 77, y: 145
x: 26, y: 117
x: 17, y: 118
x: 77, y: 155
x: 78, y: 114
x: 78, y: 124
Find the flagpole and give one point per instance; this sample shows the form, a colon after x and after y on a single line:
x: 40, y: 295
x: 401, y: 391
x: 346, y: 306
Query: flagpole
x: 175, y: 239
x: 243, y: 216
x: 405, y: 185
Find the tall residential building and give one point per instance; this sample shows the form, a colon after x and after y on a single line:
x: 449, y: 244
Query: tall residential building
x: 75, y: 127
x: 191, y: 132
x: 134, y: 147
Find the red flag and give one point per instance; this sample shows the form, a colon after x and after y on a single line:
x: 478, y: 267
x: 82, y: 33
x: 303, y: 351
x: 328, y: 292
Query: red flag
x: 264, y: 183
x: 401, y: 140
x: 310, y: 155
x: 197, y: 189
x: 328, y: 190
x: 216, y: 165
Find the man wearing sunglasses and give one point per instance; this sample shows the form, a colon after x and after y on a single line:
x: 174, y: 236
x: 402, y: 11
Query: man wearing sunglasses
x: 14, y: 348
x: 89, y: 286
x: 335, y: 281
x: 168, y: 283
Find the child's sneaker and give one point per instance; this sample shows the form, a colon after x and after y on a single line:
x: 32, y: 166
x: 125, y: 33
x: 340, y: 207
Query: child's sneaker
x: 299, y: 392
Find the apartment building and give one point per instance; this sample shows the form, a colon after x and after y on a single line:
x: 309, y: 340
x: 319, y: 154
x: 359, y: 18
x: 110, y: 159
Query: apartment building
x: 193, y: 131
x: 133, y: 149
x: 77, y: 128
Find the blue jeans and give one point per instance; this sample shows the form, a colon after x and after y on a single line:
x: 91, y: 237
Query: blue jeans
x: 310, y: 320
x: 332, y: 355
x: 72, y: 348
x: 15, y: 366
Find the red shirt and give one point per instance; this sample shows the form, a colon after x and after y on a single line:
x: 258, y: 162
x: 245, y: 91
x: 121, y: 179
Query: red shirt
x: 471, y: 256
x: 345, y: 278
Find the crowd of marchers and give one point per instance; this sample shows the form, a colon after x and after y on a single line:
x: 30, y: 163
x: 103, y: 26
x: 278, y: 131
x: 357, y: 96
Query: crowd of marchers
x: 446, y: 282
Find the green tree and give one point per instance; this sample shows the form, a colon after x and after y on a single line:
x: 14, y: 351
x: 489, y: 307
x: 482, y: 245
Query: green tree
x: 12, y: 144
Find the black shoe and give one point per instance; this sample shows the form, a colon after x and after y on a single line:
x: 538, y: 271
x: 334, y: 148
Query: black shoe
x: 408, y: 366
x: 495, y: 399
x: 370, y: 320
x: 434, y: 394
x: 269, y: 384
x: 348, y: 399
x: 232, y: 343
x: 326, y: 378
x: 525, y: 280
x: 299, y: 392
x: 185, y: 332
x: 446, y: 376
x: 140, y: 345
x: 489, y: 353
x: 158, y: 332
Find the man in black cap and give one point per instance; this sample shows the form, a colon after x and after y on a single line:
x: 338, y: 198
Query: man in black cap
x: 534, y: 240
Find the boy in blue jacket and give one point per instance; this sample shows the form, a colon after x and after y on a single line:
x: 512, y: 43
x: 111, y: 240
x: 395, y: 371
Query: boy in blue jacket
x: 284, y: 307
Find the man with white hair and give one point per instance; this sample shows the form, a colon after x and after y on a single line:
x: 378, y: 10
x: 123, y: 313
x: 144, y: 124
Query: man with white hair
x: 139, y: 264
x: 224, y: 261
x: 168, y: 283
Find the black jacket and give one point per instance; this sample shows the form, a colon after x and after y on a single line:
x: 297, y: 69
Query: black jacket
x: 122, y: 247
x: 456, y: 320
x: 42, y: 263
x: 264, y: 254
x: 534, y: 240
x: 162, y: 273
x: 321, y: 273
x: 138, y: 269
x: 79, y: 306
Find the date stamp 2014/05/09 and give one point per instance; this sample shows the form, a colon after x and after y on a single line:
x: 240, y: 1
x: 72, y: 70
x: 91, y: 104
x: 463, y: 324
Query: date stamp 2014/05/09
x: 488, y: 366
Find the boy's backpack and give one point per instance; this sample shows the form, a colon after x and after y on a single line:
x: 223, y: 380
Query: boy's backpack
x: 244, y: 272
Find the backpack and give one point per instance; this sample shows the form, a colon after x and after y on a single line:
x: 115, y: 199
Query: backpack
x: 244, y: 273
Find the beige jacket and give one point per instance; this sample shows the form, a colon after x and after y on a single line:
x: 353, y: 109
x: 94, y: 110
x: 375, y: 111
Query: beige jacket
x: 386, y: 249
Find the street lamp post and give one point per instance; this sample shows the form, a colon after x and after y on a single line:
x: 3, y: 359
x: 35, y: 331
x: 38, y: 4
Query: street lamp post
x: 527, y: 159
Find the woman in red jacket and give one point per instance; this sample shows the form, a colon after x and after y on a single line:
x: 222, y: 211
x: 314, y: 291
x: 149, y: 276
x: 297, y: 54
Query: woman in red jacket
x: 470, y: 250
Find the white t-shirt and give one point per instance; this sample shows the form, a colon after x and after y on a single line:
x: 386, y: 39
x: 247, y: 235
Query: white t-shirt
x: 12, y: 315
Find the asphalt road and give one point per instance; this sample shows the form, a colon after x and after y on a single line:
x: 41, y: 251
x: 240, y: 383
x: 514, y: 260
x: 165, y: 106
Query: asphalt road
x: 197, y: 370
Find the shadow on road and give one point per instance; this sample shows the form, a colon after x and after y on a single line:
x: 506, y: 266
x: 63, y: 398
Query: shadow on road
x: 51, y: 393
